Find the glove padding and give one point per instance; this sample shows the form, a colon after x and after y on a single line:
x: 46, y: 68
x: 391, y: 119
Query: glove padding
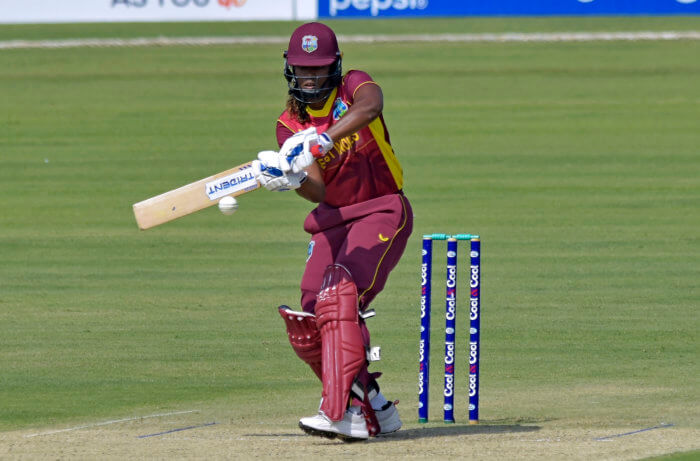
x: 325, y: 144
x: 296, y: 153
x: 268, y: 173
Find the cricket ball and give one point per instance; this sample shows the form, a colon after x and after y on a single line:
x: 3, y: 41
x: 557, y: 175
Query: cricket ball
x: 228, y: 205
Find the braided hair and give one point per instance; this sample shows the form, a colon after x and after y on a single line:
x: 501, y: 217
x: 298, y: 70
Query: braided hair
x: 297, y: 109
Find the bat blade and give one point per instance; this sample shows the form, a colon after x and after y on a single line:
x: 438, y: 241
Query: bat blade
x: 194, y: 196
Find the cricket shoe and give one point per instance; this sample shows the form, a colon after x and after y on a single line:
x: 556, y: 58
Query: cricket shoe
x: 351, y: 428
x: 388, y: 418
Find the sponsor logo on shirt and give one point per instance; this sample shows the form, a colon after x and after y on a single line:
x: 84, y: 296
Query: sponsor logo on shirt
x: 340, y: 147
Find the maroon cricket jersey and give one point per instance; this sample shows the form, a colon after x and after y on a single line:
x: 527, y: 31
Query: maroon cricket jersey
x: 360, y: 167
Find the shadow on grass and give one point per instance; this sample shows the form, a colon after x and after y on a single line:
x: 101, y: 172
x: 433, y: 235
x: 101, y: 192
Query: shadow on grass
x: 428, y: 432
x: 453, y: 430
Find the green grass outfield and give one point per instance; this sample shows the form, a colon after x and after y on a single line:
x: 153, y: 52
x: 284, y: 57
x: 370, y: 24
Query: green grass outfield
x: 578, y: 163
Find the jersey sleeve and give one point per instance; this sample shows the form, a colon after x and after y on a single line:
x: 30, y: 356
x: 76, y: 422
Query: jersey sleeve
x: 283, y: 132
x: 355, y: 79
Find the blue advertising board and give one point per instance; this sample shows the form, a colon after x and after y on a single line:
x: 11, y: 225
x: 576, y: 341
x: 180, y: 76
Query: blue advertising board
x: 398, y: 8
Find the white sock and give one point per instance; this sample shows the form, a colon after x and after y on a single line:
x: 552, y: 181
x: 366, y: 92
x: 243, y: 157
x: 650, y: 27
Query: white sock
x: 378, y: 401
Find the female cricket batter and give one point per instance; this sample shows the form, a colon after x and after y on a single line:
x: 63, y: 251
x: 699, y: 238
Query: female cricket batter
x: 335, y: 151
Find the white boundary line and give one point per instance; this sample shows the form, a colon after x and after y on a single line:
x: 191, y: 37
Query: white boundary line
x: 279, y: 40
x: 114, y: 421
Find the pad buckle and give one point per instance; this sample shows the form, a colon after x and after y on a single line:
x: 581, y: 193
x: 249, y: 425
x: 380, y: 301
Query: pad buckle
x: 367, y: 314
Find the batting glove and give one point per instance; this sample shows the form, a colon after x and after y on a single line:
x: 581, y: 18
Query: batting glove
x: 267, y: 172
x: 325, y: 144
x: 296, y: 152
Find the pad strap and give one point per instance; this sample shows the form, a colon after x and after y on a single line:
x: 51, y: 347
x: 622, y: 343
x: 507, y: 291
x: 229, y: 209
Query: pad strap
x: 343, y: 348
x: 304, y: 337
x: 364, y: 389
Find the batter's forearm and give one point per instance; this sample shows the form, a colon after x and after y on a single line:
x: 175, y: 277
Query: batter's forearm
x: 368, y: 105
x: 352, y: 122
x: 313, y: 189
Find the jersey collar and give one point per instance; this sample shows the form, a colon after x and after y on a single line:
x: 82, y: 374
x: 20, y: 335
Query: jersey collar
x: 323, y: 112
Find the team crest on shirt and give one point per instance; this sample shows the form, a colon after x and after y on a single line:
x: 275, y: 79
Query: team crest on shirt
x: 309, y: 43
x: 339, y: 109
x: 310, y: 250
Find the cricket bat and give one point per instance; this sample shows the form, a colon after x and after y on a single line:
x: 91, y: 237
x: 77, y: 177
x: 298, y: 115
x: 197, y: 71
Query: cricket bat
x: 195, y: 196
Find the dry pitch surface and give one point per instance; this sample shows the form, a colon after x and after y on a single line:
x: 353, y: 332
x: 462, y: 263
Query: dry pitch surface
x: 197, y: 435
